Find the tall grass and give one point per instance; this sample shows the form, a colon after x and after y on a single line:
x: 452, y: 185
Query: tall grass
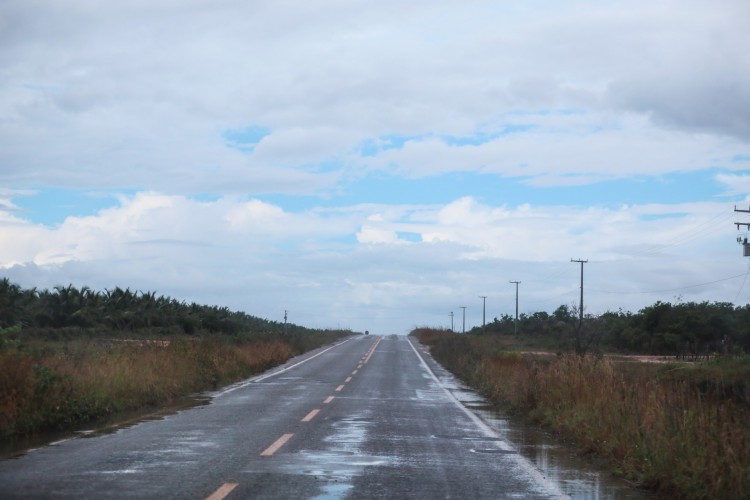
x: 681, y: 431
x: 50, y: 386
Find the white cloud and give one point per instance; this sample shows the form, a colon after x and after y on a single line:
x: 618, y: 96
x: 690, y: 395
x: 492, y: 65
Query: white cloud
x: 255, y: 256
x: 564, y: 147
x: 138, y: 96
x: 371, y: 234
x: 736, y: 184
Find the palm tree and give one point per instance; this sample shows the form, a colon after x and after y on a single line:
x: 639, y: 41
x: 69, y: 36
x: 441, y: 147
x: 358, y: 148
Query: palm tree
x: 10, y: 299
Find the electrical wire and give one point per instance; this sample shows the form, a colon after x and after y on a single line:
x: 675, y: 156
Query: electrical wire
x: 671, y: 289
x: 692, y: 233
x: 743, y: 283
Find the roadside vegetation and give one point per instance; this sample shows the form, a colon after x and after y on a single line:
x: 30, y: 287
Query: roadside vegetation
x: 73, y: 357
x: 685, y: 329
x: 678, y: 428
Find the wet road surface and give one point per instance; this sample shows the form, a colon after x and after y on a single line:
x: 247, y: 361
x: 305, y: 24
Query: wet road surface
x: 370, y: 417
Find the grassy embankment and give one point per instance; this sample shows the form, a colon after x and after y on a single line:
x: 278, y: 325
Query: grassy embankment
x: 680, y: 429
x: 61, y: 385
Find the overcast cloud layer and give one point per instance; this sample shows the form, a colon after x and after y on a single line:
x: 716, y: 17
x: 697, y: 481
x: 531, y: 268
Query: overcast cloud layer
x: 376, y: 165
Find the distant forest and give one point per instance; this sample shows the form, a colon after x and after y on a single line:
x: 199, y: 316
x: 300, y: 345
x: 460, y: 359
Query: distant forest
x: 67, y: 310
x: 685, y: 328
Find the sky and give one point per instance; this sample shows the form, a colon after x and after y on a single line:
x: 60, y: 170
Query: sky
x: 378, y: 165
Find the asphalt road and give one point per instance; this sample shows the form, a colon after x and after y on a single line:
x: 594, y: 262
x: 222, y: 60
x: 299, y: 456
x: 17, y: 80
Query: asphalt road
x: 366, y: 418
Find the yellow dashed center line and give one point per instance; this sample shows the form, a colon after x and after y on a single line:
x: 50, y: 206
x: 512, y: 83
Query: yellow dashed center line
x: 276, y: 445
x: 227, y: 488
x: 311, y: 415
x: 222, y: 492
x: 371, y: 351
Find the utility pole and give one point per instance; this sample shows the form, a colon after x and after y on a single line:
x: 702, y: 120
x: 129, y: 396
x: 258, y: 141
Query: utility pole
x: 484, y: 304
x: 740, y: 240
x: 580, y: 307
x: 515, y: 324
x: 451, y: 321
x: 286, y: 327
x: 463, y: 329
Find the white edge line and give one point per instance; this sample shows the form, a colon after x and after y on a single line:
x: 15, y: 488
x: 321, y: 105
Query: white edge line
x: 260, y: 378
x: 553, y: 488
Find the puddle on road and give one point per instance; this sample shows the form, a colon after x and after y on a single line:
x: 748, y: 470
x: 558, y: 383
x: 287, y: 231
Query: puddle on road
x: 558, y: 463
x: 573, y: 475
x: 333, y: 491
x: 341, y: 461
x: 184, y: 449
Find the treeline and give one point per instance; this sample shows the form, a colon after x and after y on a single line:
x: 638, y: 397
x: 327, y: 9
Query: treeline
x: 75, y: 356
x: 682, y: 329
x: 69, y: 309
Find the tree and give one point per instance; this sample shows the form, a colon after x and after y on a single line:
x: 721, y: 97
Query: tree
x: 587, y: 334
x: 11, y: 296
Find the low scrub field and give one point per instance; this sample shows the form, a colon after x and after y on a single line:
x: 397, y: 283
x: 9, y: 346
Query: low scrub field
x: 676, y: 428
x: 60, y: 385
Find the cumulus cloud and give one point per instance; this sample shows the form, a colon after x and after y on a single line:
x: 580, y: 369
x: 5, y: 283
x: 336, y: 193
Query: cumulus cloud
x: 560, y: 149
x: 738, y: 184
x: 694, y: 77
x: 255, y: 255
x: 696, y: 102
x: 153, y: 99
x: 137, y: 95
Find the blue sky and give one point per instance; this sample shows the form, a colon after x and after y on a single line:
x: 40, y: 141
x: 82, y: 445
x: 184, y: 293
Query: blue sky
x: 50, y: 206
x: 376, y: 166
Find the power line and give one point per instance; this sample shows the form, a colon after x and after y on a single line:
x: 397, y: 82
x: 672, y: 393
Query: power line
x: 670, y: 289
x: 691, y: 233
x: 743, y: 283
x: 562, y: 270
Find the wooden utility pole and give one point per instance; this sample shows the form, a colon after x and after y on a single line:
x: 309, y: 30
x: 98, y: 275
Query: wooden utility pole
x: 580, y: 307
x: 515, y: 323
x: 740, y: 240
x: 484, y: 303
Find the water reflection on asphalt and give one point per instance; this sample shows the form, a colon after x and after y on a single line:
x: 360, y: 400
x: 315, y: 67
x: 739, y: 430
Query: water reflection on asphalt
x: 20, y: 447
x: 557, y: 463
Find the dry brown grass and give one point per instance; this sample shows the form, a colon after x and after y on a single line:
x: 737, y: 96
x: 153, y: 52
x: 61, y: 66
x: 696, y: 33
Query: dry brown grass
x: 665, y: 434
x: 680, y: 430
x: 60, y: 386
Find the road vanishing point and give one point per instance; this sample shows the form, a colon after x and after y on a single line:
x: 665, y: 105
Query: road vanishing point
x: 364, y: 418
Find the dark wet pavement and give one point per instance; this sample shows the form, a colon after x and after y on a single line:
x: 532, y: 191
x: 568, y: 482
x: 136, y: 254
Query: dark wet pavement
x: 368, y: 418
